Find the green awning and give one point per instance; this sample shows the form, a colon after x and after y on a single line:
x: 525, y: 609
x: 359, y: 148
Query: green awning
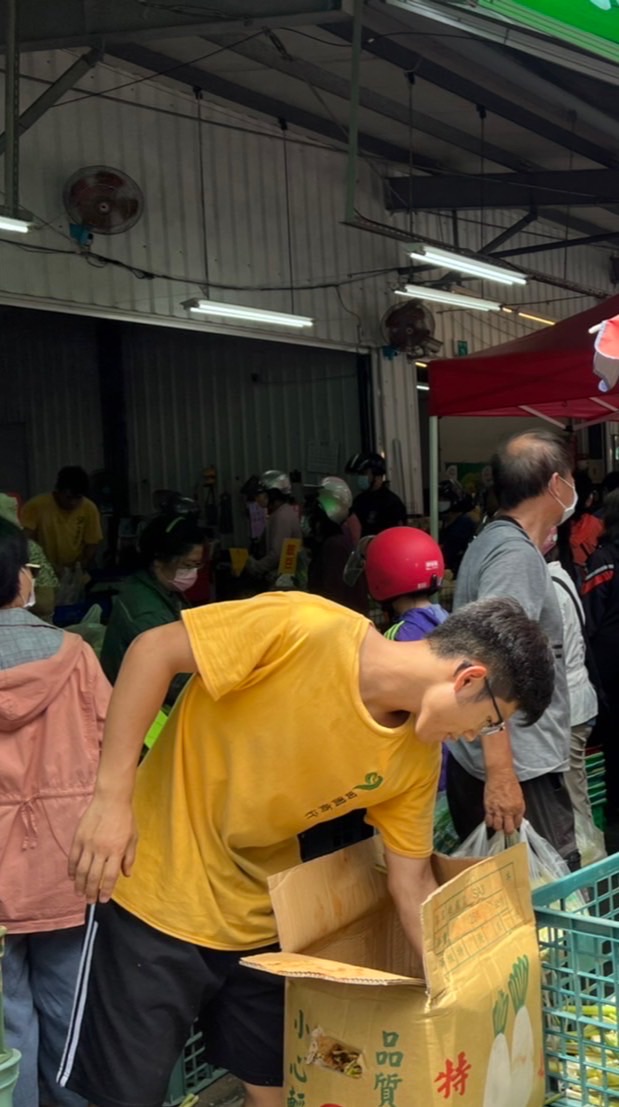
x: 593, y: 25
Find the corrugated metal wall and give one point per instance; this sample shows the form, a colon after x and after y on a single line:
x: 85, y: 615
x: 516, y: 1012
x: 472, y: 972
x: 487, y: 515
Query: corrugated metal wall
x: 50, y: 390
x: 398, y: 431
x: 246, y: 406
x: 151, y: 132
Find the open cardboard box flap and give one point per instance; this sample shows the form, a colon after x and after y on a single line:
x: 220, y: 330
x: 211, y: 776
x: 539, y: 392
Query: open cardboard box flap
x: 329, y: 912
x: 318, y: 968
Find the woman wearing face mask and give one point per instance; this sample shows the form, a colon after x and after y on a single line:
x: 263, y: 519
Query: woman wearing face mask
x: 53, y: 702
x: 171, y: 551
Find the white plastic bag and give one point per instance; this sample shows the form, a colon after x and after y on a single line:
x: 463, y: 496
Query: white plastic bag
x: 545, y: 864
x: 589, y: 839
x: 90, y: 628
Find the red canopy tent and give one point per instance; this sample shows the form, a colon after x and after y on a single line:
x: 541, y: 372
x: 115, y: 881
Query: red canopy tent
x: 548, y: 374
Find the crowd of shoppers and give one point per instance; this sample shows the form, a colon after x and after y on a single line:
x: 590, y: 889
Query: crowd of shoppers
x: 512, y: 686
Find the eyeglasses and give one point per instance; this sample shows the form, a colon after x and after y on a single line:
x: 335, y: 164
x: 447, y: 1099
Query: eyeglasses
x: 33, y: 569
x: 492, y: 728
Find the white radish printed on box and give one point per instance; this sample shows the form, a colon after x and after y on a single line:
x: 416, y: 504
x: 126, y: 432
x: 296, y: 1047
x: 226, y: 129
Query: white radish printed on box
x: 510, y: 1078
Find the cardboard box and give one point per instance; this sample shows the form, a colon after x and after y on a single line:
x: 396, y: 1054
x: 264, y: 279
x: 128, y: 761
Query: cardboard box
x: 366, y: 1027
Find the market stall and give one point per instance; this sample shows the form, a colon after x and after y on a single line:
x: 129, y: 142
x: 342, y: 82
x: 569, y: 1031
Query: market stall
x: 547, y: 375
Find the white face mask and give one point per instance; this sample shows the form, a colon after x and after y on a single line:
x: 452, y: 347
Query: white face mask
x: 444, y: 506
x: 567, y: 511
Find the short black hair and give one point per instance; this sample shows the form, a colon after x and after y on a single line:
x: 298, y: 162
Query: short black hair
x: 584, y: 488
x: 611, y: 481
x: 73, y: 479
x: 523, y: 466
x: 168, y: 537
x: 498, y: 633
x: 611, y: 515
x: 13, y: 557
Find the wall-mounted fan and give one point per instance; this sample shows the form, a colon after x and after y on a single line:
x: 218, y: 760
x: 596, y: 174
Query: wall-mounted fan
x: 410, y: 327
x: 101, y: 200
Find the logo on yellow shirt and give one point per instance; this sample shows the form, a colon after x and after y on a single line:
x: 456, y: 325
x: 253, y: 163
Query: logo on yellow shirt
x: 372, y: 781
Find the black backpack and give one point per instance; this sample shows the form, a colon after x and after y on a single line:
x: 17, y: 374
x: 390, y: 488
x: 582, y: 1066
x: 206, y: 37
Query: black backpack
x: 590, y: 662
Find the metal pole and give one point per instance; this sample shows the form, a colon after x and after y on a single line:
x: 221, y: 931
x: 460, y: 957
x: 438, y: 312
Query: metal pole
x: 53, y: 93
x: 434, y: 476
x: 353, y: 119
x: 11, y: 85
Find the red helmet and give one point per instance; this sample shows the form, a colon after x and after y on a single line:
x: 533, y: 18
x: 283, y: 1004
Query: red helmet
x: 402, y: 560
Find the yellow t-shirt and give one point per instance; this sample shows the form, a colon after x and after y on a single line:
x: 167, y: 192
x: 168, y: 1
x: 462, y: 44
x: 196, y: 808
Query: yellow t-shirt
x: 62, y: 534
x: 269, y: 739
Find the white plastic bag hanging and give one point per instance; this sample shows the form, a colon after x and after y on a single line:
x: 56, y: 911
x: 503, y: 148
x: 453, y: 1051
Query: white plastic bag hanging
x: 545, y: 864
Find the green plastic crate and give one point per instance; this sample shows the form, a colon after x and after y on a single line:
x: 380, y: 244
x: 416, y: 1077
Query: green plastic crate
x: 598, y: 810
x: 192, y: 1072
x: 578, y: 930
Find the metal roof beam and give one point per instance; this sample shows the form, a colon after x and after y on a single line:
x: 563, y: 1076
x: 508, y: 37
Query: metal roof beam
x: 509, y: 232
x: 548, y: 188
x: 99, y: 22
x: 272, y: 57
x: 543, y: 247
x: 194, y: 77
x: 468, y: 89
x: 53, y: 93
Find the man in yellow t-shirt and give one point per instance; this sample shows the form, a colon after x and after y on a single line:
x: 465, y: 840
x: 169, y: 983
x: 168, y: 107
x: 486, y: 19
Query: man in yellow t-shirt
x: 298, y: 711
x: 65, y: 522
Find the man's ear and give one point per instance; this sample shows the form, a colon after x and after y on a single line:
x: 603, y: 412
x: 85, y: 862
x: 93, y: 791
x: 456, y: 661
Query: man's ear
x: 466, y: 675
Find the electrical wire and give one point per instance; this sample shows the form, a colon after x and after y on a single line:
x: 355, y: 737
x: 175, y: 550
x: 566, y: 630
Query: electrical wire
x: 198, y: 95
x: 481, y: 111
x: 156, y: 73
x: 148, y: 274
x: 284, y: 126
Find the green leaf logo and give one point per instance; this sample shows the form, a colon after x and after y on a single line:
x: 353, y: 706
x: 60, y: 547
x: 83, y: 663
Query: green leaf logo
x: 372, y: 781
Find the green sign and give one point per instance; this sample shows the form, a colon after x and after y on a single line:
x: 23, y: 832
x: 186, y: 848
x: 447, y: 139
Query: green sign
x: 592, y: 25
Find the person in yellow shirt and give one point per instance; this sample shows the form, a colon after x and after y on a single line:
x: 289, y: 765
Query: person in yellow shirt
x: 65, y: 522
x: 298, y: 711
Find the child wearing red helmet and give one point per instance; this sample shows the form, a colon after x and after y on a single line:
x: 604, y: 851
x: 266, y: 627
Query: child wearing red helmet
x: 404, y: 566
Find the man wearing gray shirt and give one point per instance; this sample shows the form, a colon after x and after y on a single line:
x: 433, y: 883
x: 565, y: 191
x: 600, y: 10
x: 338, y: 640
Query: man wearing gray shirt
x: 494, y: 778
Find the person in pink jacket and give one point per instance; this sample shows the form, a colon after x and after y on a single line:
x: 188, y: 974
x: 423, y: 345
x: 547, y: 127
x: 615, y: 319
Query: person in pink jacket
x: 53, y: 701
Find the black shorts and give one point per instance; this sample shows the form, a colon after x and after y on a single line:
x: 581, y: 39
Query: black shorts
x: 138, y: 993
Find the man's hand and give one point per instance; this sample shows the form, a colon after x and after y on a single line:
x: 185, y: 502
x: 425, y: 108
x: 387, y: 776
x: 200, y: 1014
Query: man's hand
x: 503, y: 801
x: 104, y: 844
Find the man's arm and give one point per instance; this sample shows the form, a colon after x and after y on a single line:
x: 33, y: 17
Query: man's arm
x: 503, y: 798
x: 105, y: 840
x: 93, y: 534
x: 410, y: 881
x: 89, y: 554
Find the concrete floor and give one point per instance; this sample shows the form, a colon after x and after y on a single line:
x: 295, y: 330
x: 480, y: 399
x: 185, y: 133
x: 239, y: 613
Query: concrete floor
x: 223, y: 1093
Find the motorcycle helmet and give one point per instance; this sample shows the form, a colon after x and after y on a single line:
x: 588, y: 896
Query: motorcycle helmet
x: 452, y: 497
x: 273, y: 479
x: 401, y: 561
x: 358, y: 463
x: 335, y: 498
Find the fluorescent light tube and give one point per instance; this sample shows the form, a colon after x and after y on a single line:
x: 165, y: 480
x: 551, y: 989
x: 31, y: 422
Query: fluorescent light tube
x: 445, y: 259
x: 248, y: 314
x: 423, y: 387
x: 537, y: 319
x: 16, y: 226
x: 525, y: 315
x: 440, y: 296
